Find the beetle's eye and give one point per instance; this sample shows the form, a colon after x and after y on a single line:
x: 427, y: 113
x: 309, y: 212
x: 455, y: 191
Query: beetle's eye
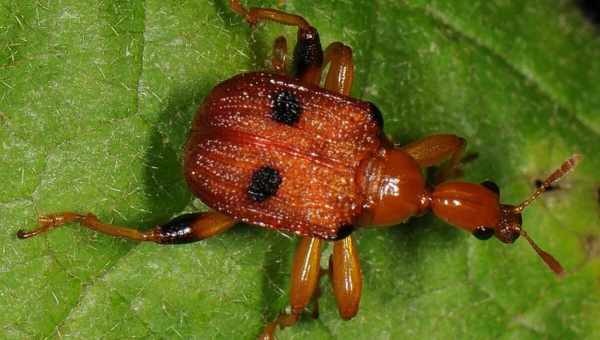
x: 492, y: 186
x: 483, y: 233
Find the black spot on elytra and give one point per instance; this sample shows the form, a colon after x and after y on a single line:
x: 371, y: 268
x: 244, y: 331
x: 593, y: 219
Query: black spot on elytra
x: 483, y: 233
x: 376, y: 115
x: 492, y: 186
x: 344, y: 232
x: 264, y: 183
x: 286, y: 108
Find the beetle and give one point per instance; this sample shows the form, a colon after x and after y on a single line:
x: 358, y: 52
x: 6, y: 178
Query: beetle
x: 281, y: 151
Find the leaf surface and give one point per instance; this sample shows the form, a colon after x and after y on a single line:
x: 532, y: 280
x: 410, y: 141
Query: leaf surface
x: 95, y: 103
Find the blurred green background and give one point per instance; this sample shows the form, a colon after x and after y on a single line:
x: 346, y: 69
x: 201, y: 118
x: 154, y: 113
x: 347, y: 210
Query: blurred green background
x: 95, y: 102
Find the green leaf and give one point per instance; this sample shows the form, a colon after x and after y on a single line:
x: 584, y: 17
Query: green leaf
x: 96, y: 98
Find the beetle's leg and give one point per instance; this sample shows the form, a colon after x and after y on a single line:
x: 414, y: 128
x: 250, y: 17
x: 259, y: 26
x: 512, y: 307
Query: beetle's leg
x: 308, y: 54
x: 280, y: 56
x: 306, y: 271
x: 346, y: 277
x: 254, y: 15
x: 182, y: 229
x: 435, y: 149
x: 341, y: 69
x: 317, y: 295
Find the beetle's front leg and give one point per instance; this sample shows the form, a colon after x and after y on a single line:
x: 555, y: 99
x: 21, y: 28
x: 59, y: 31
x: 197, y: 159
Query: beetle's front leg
x: 306, y: 271
x: 182, y: 229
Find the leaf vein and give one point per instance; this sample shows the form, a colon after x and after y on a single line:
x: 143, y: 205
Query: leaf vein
x: 140, y: 71
x: 89, y: 286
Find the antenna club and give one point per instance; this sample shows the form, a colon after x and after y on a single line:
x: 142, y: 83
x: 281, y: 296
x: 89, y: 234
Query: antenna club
x: 577, y: 157
x: 566, y: 167
x: 548, y: 259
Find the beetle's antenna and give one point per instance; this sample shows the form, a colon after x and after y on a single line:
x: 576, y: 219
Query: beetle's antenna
x: 566, y: 167
x: 559, y: 173
x: 550, y: 261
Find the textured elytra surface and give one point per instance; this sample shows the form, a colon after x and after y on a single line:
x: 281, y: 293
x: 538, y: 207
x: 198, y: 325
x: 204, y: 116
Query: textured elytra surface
x: 95, y: 103
x: 318, y: 159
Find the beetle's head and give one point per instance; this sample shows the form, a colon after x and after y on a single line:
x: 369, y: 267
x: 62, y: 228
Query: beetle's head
x: 476, y: 208
x: 509, y: 225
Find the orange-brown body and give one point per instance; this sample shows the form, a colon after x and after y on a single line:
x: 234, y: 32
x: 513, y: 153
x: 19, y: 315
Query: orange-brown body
x: 323, y: 157
x: 280, y: 151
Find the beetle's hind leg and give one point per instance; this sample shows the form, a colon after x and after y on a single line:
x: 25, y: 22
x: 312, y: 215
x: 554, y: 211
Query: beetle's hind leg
x: 254, y: 15
x: 306, y: 274
x: 308, y: 54
x: 182, y: 229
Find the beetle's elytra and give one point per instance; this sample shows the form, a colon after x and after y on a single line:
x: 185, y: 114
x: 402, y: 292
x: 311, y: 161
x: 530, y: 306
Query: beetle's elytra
x: 294, y: 152
x: 317, y: 155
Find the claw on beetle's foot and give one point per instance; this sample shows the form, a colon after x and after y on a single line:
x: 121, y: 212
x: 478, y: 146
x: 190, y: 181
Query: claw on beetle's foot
x: 47, y: 222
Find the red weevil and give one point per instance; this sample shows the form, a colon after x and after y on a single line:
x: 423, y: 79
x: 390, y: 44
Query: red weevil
x: 281, y: 151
